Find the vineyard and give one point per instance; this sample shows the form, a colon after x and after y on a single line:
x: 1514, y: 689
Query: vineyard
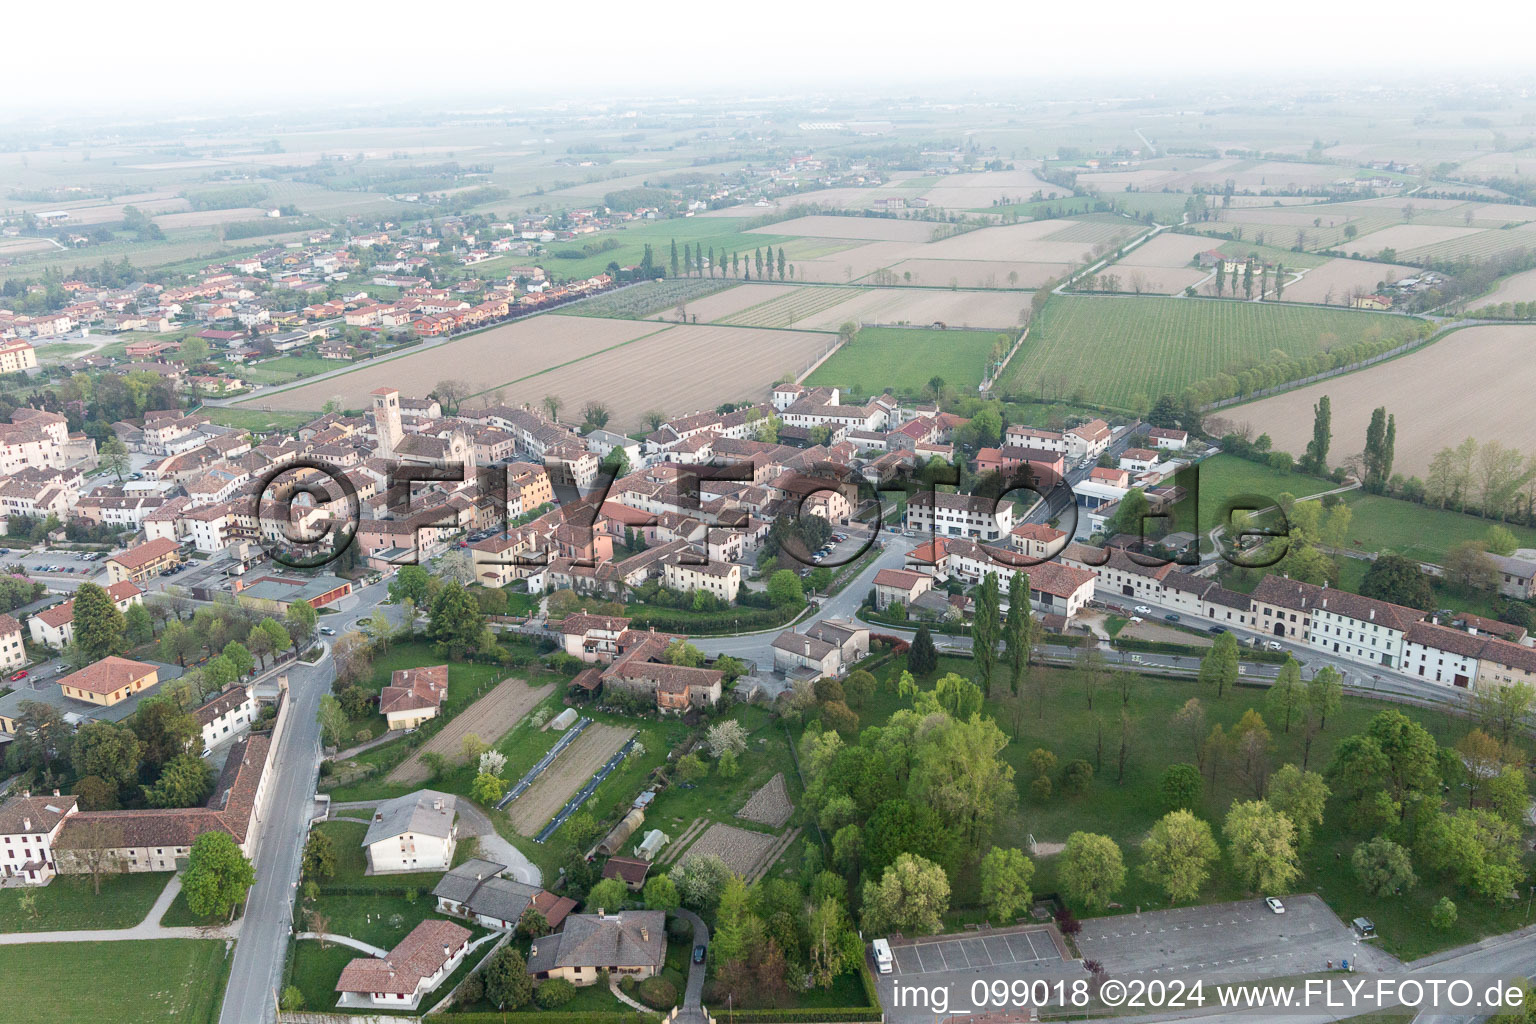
x: 789, y: 310
x: 1111, y: 350
x: 642, y: 300
x: 1090, y: 232
x: 1480, y: 246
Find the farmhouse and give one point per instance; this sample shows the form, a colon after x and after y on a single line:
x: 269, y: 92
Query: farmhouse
x: 633, y: 942
x: 415, y: 967
x: 143, y: 562
x: 1515, y: 576
x: 592, y: 637
x: 1088, y: 440
x: 29, y: 826
x: 413, y: 695
x: 640, y: 668
x: 415, y: 832
x: 1168, y: 439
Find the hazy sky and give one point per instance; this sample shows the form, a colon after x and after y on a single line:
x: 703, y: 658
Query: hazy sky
x: 247, y: 55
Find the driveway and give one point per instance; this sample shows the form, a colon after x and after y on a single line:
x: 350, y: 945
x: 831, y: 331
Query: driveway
x: 1229, y: 941
x: 473, y: 822
x: 692, y: 1010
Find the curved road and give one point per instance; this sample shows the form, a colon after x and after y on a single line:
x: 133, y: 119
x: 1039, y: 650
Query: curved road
x: 692, y: 1010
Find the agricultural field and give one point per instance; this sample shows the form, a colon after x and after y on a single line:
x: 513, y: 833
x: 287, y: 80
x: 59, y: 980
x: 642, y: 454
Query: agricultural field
x: 640, y: 301
x: 1112, y: 230
x: 1514, y: 288
x: 905, y: 358
x: 677, y: 369
x: 570, y: 771
x: 790, y: 309
x: 720, y: 306
x: 978, y: 273
x: 1406, y: 239
x: 1113, y: 349
x: 1332, y: 283
x: 922, y: 306
x: 490, y: 718
x: 510, y: 351
x: 1154, y: 280
x: 136, y: 982
x: 873, y: 229
x: 1029, y: 242
x: 1478, y: 374
x: 1379, y: 523
x: 770, y: 804
x: 850, y: 265
x: 1169, y: 251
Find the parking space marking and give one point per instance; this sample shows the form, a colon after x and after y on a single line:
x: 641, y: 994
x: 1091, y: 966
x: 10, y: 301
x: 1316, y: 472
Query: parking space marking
x: 976, y: 949
x: 1034, y: 952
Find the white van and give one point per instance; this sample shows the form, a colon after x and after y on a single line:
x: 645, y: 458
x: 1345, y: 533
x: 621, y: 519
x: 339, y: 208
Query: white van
x: 883, y: 959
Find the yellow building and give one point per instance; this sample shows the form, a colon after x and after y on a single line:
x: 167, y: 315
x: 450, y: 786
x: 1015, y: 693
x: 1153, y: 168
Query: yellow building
x: 109, y: 680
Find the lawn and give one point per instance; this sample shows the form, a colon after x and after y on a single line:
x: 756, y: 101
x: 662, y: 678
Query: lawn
x: 1417, y: 531
x: 258, y: 420
x: 287, y: 368
x: 1126, y: 810
x: 1223, y: 477
x: 139, y: 982
x: 906, y: 358
x: 723, y: 234
x: 1111, y: 350
x: 68, y: 903
x: 352, y: 862
x: 717, y: 798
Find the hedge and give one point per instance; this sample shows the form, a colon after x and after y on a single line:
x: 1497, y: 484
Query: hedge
x: 812, y: 1015
x: 548, y: 1017
x: 1130, y: 643
x: 732, y: 620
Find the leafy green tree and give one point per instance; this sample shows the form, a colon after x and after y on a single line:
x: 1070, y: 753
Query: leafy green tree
x: 411, y: 583
x: 610, y: 894
x: 1325, y: 692
x: 1316, y: 458
x: 912, y: 897
x: 1181, y: 786
x: 957, y: 695
x: 1287, y: 698
x: 299, y: 622
x: 784, y: 589
x: 660, y: 894
x: 164, y: 729
x: 1091, y: 870
x: 1005, y: 879
x: 532, y: 923
x: 332, y: 719
x: 1300, y: 796
x: 1219, y: 666
x: 107, y: 751
x: 185, y: 781
x: 1383, y: 867
x: 114, y: 457
x: 319, y: 855
x: 1178, y: 854
x: 100, y: 629
x: 239, y: 658
x: 1130, y: 515
x: 1412, y: 757
x: 140, y: 625
x: 218, y: 875
x: 1444, y: 914
x: 1262, y: 845
x: 486, y: 789
x: 1398, y: 580
x: 455, y: 621
x: 507, y: 983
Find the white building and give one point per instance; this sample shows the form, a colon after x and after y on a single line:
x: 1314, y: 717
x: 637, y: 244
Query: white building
x: 959, y: 515
x: 415, y: 832
x: 228, y: 714
x: 13, y: 653
x: 55, y: 627
x: 28, y: 827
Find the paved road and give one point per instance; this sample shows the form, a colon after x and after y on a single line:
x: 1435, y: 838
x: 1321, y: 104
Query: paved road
x: 257, y: 970
x: 692, y: 1010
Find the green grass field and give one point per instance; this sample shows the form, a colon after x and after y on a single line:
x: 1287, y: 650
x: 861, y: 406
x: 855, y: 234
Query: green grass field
x: 68, y: 903
x: 905, y: 359
x: 1418, y: 531
x: 257, y: 420
x: 1126, y: 809
x: 141, y: 982
x: 1113, y: 349
x: 1227, y: 476
x: 723, y: 234
x: 287, y: 368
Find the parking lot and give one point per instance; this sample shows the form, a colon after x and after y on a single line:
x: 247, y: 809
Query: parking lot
x: 1230, y: 941
x: 955, y: 963
x: 960, y: 953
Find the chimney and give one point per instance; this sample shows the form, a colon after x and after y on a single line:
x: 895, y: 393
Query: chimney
x: 437, y: 803
x: 600, y: 915
x: 26, y: 824
x: 645, y: 934
x: 55, y: 792
x: 445, y: 951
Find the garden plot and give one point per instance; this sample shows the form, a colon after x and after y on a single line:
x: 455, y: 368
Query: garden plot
x: 1168, y: 250
x: 563, y: 779
x: 770, y: 805
x: 874, y: 229
x: 743, y: 851
x: 978, y: 273
x: 1478, y: 375
x: 489, y: 718
x: 1333, y: 282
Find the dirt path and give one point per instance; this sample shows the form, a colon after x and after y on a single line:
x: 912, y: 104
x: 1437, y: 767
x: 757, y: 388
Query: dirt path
x: 571, y: 770
x: 489, y: 718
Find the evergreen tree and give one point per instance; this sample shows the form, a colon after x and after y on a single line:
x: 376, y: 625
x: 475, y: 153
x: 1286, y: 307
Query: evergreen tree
x: 100, y: 629
x: 1316, y: 458
x: 984, y: 631
x: 1016, y: 633
x: 687, y: 259
x: 758, y: 264
x: 674, y: 257
x: 923, y: 659
x: 782, y: 263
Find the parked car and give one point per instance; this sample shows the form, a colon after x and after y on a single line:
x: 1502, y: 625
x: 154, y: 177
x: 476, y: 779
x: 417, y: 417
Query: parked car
x: 1217, y: 629
x: 1171, y: 617
x: 1142, y: 609
x: 698, y: 954
x: 1276, y: 645
x: 1274, y: 905
x: 18, y: 675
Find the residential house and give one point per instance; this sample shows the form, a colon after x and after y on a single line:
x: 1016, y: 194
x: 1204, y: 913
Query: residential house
x: 415, y: 832
x: 899, y: 586
x: 420, y: 962
x: 413, y: 696
x: 29, y: 827
x: 144, y: 562
x: 55, y: 627
x: 632, y: 942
